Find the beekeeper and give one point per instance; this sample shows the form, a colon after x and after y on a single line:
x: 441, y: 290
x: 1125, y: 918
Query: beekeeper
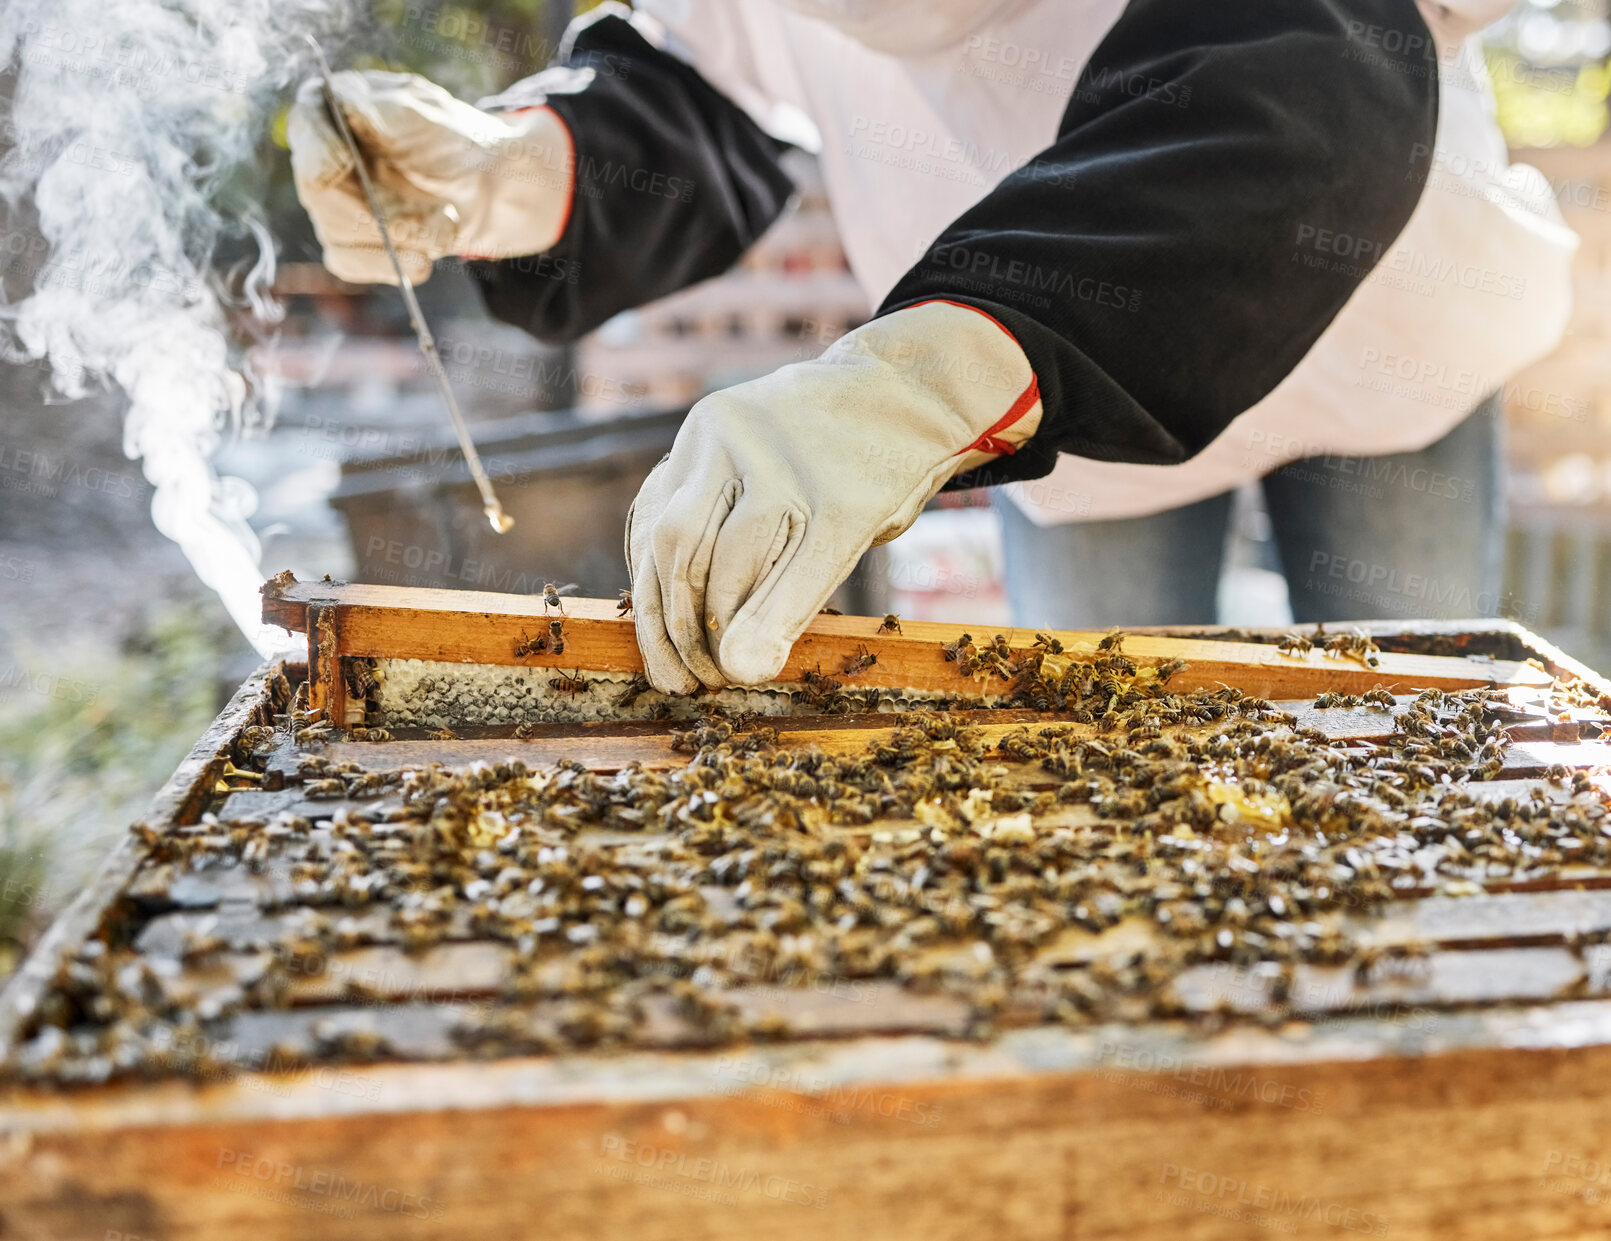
x: 1126, y: 257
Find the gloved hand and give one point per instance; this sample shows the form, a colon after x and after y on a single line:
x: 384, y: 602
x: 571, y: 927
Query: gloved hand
x: 451, y: 178
x: 774, y: 488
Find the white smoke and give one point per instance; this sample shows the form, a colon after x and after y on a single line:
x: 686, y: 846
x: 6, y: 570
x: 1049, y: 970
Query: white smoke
x: 127, y: 120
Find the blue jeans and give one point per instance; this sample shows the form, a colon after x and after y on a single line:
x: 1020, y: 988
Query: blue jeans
x: 1409, y: 536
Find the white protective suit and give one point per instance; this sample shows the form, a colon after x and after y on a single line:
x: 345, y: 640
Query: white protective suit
x: 917, y: 108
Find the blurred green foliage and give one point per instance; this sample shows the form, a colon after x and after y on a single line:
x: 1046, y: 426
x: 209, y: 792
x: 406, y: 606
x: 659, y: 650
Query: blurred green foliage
x: 88, y: 733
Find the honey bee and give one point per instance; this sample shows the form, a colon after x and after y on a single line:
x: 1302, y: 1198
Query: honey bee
x: 624, y: 605
x: 1168, y: 669
x: 1295, y: 644
x: 442, y: 734
x: 1380, y: 697
x: 556, y: 636
x: 529, y: 645
x: 1356, y: 645
x: 862, y: 660
x: 256, y: 737
x: 1114, y: 641
x: 359, y: 1044
x: 818, y: 688
x: 637, y: 685
x: 952, y: 649
x: 525, y: 729
x: 551, y: 596
x: 574, y: 684
x: 829, y: 612
x: 370, y: 734
x: 1048, y: 644
x: 360, y: 677
x: 892, y: 624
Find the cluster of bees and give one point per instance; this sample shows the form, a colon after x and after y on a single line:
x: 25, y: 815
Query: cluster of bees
x: 1377, y: 697
x: 1356, y: 644
x: 550, y: 642
x: 940, y: 855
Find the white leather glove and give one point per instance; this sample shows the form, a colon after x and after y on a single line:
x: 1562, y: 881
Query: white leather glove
x: 451, y: 178
x: 774, y: 488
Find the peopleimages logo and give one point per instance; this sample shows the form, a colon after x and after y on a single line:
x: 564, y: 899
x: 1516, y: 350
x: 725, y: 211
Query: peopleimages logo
x: 661, y: 1167
x: 1433, y: 382
x: 1221, y: 1192
x: 991, y: 271
x: 1017, y: 64
x: 323, y: 1185
x: 1217, y: 1080
x: 1360, y: 255
x: 838, y: 1098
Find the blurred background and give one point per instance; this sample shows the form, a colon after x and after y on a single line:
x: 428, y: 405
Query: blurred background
x: 114, y: 657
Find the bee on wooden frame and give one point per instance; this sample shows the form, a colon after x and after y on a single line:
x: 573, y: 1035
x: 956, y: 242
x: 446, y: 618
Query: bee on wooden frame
x: 551, y: 596
x: 1355, y: 645
x: 951, y: 650
x: 1294, y: 644
x: 624, y: 604
x: 862, y: 660
x: 556, y: 636
x: 1168, y: 669
x: 360, y: 677
x: 574, y: 684
x: 637, y: 685
x: 527, y: 645
x: 891, y: 624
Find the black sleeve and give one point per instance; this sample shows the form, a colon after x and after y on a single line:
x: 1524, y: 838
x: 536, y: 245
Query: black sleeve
x: 673, y: 182
x: 1224, y: 177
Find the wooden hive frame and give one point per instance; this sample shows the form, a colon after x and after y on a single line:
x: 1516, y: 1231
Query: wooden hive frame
x: 1464, y: 1101
x: 344, y: 621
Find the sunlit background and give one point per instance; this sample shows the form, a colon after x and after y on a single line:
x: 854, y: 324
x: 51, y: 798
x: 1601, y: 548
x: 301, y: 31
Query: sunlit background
x: 113, y: 657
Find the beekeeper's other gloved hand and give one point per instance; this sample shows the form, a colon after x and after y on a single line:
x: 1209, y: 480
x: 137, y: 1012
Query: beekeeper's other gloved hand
x: 452, y: 178
x: 775, y: 488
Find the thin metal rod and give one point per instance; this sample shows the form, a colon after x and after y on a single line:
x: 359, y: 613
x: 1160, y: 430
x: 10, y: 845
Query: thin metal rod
x: 499, y: 520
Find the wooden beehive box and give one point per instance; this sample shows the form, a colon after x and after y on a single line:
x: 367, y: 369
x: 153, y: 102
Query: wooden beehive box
x: 1447, y: 1080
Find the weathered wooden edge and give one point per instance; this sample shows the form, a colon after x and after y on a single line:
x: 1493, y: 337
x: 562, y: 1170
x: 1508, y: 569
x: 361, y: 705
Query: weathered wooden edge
x: 1557, y: 660
x: 1450, y: 1146
x: 630, y: 1079
x: 177, y: 802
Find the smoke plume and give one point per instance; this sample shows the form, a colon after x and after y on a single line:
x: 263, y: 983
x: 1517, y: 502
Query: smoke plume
x: 128, y: 120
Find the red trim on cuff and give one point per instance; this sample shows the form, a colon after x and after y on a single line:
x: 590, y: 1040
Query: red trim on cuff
x: 989, y: 441
x: 946, y: 301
